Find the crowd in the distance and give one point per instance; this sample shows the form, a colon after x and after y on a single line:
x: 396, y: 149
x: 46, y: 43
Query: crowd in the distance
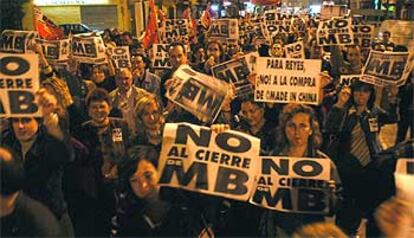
x: 88, y: 166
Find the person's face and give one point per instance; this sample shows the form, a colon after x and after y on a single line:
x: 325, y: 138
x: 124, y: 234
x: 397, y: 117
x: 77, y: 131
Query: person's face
x: 213, y: 50
x: 361, y: 96
x: 144, y: 180
x: 24, y: 128
x: 277, y: 50
x: 151, y: 116
x: 201, y: 54
x: 386, y: 37
x: 124, y: 80
x: 298, y: 130
x: 126, y: 40
x: 98, y: 75
x: 99, y: 111
x: 252, y: 113
x: 354, y: 56
x: 233, y: 49
x: 139, y: 64
x: 177, y: 56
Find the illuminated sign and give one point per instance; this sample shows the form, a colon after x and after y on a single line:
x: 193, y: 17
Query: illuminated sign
x: 71, y: 2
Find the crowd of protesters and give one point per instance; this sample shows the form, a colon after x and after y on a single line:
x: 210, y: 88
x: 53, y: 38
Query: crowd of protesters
x: 88, y: 167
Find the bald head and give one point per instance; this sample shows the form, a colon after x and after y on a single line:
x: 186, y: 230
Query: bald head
x: 124, y: 79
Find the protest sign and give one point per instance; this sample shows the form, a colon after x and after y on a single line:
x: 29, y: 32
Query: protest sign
x: 88, y: 49
x: 19, y: 81
x: 161, y: 58
x: 387, y: 68
x: 405, y: 166
x: 198, y: 93
x: 235, y: 71
x: 12, y: 41
x: 121, y: 56
x: 277, y: 22
x: 284, y: 80
x: 295, y: 50
x: 223, y: 29
x: 175, y: 30
x: 196, y: 158
x: 55, y: 50
x: 337, y: 31
x: 363, y: 35
x: 347, y: 80
x: 296, y: 185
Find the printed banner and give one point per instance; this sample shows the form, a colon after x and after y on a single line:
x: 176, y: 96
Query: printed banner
x: 12, y: 41
x: 200, y: 94
x: 405, y: 166
x: 295, y: 50
x: 88, y: 49
x: 235, y: 71
x: 329, y: 12
x: 175, y: 30
x: 347, y: 80
x: 337, y: 31
x: 19, y: 82
x: 387, y: 68
x: 223, y: 29
x: 121, y: 56
x: 197, y: 159
x: 277, y: 22
x: 161, y: 58
x: 363, y: 35
x: 298, y: 185
x: 284, y: 80
x: 55, y: 51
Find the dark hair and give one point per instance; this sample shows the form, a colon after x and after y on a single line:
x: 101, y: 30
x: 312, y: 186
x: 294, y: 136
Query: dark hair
x: 98, y: 94
x: 146, y: 60
x: 358, y: 85
x: 12, y: 172
x: 386, y: 32
x: 175, y: 44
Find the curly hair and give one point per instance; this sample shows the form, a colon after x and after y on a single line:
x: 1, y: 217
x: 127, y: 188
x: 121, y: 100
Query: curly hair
x: 140, y: 108
x: 289, y: 111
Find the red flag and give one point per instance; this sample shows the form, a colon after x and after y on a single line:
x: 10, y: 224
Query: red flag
x: 193, y: 23
x: 205, y: 19
x: 46, y: 28
x: 151, y: 34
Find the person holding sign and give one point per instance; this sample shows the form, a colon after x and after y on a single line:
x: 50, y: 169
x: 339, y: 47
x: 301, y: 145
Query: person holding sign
x: 44, y: 148
x: 352, y: 131
x: 299, y: 136
x: 215, y: 55
x: 140, y: 210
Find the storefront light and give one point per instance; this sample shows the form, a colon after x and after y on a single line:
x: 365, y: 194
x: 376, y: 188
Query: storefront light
x: 71, y: 2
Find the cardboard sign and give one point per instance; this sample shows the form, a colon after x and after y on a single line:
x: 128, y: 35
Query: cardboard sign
x: 12, y: 41
x: 277, y: 22
x: 337, y: 31
x: 295, y: 50
x: 405, y: 166
x: 284, y: 80
x: 175, y: 30
x: 387, y: 68
x: 88, y: 49
x: 55, y: 51
x: 197, y: 159
x: 347, y: 80
x: 161, y: 59
x: 297, y: 185
x: 19, y: 81
x: 253, y: 31
x: 223, y: 29
x: 235, y: 71
x: 121, y: 56
x: 363, y: 35
x: 198, y: 93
